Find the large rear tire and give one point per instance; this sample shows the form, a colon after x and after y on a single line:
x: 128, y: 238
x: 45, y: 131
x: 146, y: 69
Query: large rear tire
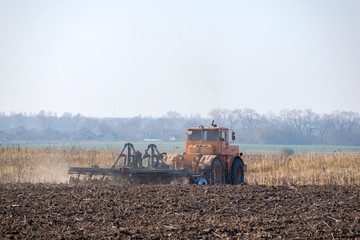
x: 237, y: 172
x: 217, y: 172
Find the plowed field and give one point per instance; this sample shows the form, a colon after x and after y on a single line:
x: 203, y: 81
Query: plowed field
x: 55, y: 211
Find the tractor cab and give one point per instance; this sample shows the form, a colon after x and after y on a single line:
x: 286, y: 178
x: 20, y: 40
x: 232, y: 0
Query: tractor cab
x: 213, y: 134
x: 209, y: 140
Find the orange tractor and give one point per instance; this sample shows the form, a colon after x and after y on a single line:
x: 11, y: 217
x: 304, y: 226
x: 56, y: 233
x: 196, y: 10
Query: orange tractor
x: 208, y: 152
x: 209, y: 159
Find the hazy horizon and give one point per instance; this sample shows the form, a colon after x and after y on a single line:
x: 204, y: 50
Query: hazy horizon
x: 129, y: 58
x: 172, y: 113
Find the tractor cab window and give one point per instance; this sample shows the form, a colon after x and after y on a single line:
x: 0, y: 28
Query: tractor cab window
x: 223, y: 136
x: 194, y: 135
x: 211, y: 135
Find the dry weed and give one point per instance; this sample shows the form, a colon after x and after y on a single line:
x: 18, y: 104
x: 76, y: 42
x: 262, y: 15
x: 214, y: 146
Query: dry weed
x: 304, y: 169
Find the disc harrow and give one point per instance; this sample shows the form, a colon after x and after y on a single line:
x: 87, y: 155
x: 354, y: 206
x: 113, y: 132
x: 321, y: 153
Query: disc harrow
x: 134, y: 168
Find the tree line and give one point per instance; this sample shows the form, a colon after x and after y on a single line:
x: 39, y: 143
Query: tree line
x: 289, y: 126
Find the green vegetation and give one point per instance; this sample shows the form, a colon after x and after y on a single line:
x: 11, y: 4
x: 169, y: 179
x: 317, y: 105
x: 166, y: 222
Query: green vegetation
x: 297, y: 148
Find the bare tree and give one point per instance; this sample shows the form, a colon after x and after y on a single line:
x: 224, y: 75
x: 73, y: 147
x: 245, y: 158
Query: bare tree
x: 248, y: 117
x: 351, y: 120
x: 323, y: 124
x: 309, y: 120
x: 270, y: 120
x: 173, y: 115
x: 73, y: 120
x: 45, y: 118
x: 220, y: 116
x: 287, y: 118
x: 345, y: 122
x: 294, y: 119
x: 231, y: 119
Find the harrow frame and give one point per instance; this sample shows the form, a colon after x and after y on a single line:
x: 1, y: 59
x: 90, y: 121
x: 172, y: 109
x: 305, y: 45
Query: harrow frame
x: 132, y: 169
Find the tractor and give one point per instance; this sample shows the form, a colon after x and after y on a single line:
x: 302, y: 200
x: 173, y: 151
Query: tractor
x: 209, y: 159
x: 208, y: 152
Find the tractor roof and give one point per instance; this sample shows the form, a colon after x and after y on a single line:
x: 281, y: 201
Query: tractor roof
x: 206, y: 128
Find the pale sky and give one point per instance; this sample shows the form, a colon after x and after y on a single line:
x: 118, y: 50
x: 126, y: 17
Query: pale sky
x: 126, y: 58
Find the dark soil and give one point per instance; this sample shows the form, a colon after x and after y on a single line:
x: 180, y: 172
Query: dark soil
x: 55, y: 211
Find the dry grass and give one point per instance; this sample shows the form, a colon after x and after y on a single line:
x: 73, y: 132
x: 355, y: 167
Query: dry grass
x: 304, y: 169
x: 51, y: 164
x: 47, y: 164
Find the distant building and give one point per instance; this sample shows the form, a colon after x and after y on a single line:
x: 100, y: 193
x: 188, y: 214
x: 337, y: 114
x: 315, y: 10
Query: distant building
x: 152, y: 140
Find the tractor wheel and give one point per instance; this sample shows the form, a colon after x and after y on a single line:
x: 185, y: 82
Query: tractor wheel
x: 237, y: 172
x: 217, y: 172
